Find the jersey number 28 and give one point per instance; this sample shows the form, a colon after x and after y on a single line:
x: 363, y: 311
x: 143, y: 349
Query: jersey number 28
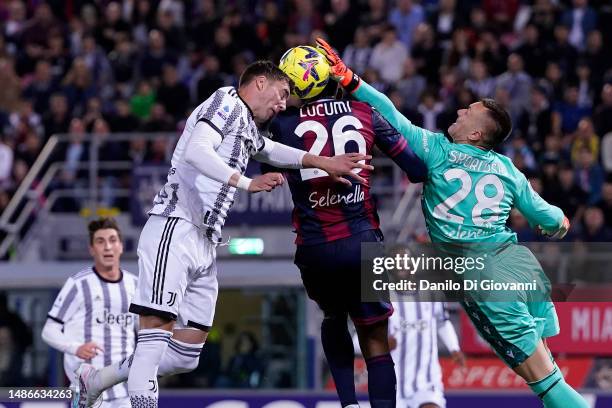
x: 482, y: 200
x: 340, y: 138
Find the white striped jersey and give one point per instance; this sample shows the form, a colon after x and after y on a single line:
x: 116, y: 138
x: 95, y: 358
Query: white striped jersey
x: 190, y: 195
x: 415, y: 327
x: 92, y: 308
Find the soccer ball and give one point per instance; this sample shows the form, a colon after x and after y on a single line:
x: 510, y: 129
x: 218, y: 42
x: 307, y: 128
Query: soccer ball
x: 308, y: 69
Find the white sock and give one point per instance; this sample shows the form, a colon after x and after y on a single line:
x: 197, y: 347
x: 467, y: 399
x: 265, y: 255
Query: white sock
x: 113, y: 374
x: 142, y: 379
x: 180, y: 357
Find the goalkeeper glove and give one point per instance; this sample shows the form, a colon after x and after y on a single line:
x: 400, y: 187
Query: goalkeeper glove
x: 558, y: 233
x: 341, y: 73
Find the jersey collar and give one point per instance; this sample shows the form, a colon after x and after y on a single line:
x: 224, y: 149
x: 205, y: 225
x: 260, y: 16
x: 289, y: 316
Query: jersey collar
x: 245, y: 104
x: 102, y: 278
x: 475, y: 149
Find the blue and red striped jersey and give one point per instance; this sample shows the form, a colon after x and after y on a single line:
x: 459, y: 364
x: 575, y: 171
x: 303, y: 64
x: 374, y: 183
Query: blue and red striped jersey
x: 325, y: 210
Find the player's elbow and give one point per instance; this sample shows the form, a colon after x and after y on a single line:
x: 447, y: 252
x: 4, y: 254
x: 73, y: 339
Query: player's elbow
x: 46, y: 334
x: 191, y: 157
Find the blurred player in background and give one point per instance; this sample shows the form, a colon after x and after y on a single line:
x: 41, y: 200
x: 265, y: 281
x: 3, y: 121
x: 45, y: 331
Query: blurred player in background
x: 414, y: 329
x: 89, y: 321
x: 177, y: 288
x: 467, y: 198
x: 331, y: 221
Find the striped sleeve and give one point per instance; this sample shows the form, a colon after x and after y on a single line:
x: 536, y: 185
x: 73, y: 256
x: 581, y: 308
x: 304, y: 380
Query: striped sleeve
x: 221, y: 111
x: 66, y: 303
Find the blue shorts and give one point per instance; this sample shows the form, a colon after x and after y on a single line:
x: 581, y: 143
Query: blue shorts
x: 331, y: 273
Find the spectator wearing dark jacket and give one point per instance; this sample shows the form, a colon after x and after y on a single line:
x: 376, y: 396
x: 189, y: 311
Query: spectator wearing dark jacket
x: 581, y: 20
x: 594, y: 228
x: 173, y: 94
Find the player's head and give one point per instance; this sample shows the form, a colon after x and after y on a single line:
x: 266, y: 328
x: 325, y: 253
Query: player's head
x: 105, y: 245
x: 484, y: 124
x: 265, y: 89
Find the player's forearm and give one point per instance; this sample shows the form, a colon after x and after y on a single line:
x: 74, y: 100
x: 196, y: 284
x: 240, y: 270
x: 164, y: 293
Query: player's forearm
x: 314, y: 161
x: 447, y: 334
x: 539, y: 212
x: 53, y: 335
x: 550, y: 219
x: 280, y: 155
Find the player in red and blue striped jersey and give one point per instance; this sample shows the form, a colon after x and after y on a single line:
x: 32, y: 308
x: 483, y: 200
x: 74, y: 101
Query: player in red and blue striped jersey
x: 331, y: 221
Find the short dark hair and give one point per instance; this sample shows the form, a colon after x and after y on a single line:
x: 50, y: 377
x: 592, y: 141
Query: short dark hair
x: 501, y: 120
x: 267, y: 69
x: 102, y: 223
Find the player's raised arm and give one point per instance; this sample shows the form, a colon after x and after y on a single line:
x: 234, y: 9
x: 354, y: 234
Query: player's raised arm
x: 201, y: 153
x: 280, y: 155
x: 540, y: 214
x: 416, y: 136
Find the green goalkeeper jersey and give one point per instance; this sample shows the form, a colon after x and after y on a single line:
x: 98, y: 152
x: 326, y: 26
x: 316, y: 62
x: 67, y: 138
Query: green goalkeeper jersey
x: 469, y: 192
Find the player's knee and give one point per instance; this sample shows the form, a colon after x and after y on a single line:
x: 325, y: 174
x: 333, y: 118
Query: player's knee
x: 180, y: 358
x: 373, y: 339
x: 187, y: 365
x: 375, y: 333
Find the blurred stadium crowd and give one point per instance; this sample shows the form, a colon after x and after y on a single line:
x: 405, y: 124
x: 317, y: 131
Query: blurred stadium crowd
x: 99, y: 67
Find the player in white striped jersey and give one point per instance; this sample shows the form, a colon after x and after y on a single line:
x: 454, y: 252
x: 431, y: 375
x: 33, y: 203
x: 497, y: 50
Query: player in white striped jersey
x: 177, y: 287
x: 90, y: 321
x: 414, y: 329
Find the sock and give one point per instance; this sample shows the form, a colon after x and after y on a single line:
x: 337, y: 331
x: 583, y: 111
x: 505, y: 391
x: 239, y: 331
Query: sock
x: 142, y: 379
x: 179, y: 358
x: 381, y: 381
x: 556, y: 393
x: 338, y: 349
x: 113, y: 374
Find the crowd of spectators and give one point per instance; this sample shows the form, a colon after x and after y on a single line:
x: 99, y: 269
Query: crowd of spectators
x: 101, y: 66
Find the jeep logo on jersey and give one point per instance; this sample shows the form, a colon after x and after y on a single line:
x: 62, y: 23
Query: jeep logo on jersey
x: 121, y: 319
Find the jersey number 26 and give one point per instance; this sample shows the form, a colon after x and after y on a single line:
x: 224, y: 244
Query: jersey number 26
x: 340, y: 138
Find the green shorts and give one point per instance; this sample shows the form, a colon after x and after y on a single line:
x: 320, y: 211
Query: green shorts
x: 514, y: 328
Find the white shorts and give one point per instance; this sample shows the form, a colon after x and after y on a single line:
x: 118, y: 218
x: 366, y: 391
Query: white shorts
x: 177, y: 273
x: 422, y: 397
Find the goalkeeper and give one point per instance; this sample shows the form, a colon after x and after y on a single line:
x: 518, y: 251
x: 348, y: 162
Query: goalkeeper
x: 467, y: 198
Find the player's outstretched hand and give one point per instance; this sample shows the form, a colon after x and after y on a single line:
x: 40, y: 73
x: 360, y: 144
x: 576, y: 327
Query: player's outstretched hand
x: 88, y: 350
x: 266, y: 182
x: 559, y: 233
x: 339, y: 71
x: 344, y: 165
